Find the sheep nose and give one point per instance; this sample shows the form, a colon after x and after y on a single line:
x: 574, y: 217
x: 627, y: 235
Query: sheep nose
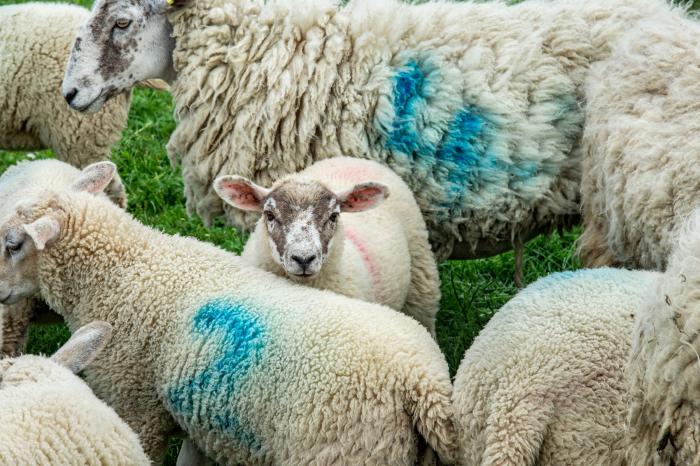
x: 304, y: 262
x: 70, y: 95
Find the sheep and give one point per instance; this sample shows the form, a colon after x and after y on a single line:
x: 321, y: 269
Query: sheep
x: 544, y: 382
x: 346, y: 225
x: 640, y: 171
x: 18, y: 181
x: 664, y: 414
x: 477, y: 106
x: 254, y: 368
x: 50, y: 416
x: 35, y: 40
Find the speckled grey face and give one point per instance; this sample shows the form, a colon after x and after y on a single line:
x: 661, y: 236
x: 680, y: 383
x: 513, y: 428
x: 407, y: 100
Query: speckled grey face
x: 301, y: 219
x: 122, y: 43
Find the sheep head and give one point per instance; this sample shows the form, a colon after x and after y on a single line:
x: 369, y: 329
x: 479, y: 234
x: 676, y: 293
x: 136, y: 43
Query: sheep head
x: 35, y: 225
x: 123, y: 43
x: 301, y: 217
x: 79, y: 351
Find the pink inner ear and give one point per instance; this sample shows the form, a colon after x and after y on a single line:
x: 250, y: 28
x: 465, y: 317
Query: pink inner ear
x: 241, y: 195
x: 362, y: 199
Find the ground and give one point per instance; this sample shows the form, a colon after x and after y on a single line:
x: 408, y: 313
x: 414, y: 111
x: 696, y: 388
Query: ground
x: 472, y: 290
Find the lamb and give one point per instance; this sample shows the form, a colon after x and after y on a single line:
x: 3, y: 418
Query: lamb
x: 18, y: 181
x: 477, y: 106
x: 255, y: 369
x: 346, y: 225
x: 35, y: 41
x: 50, y: 416
x: 544, y: 382
x: 640, y: 174
x: 664, y: 416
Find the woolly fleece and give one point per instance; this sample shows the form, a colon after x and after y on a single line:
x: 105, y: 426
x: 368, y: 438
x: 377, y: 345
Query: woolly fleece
x: 477, y: 106
x: 544, y: 382
x: 51, y: 417
x: 664, y: 418
x: 641, y: 176
x: 255, y: 369
x: 35, y: 41
x: 387, y: 261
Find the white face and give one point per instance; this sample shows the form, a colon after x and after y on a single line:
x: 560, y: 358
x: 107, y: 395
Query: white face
x: 123, y: 42
x: 18, y: 266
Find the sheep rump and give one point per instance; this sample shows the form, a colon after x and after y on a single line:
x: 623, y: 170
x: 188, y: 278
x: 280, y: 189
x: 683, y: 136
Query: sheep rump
x: 486, y: 136
x: 641, y: 175
x: 544, y: 382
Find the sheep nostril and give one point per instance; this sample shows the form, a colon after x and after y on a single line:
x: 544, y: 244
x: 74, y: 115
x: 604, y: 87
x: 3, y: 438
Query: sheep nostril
x: 70, y: 95
x: 303, y: 261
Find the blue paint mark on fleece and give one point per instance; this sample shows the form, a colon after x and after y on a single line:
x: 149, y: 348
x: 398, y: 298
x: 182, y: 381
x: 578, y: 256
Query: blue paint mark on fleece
x: 609, y: 275
x: 457, y: 153
x: 234, y: 338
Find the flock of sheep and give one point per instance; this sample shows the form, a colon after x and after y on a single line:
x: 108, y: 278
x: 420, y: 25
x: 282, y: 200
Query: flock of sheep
x: 361, y: 143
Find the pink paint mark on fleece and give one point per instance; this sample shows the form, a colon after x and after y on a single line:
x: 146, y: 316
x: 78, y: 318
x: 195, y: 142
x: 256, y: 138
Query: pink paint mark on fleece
x: 354, y: 172
x: 375, y: 276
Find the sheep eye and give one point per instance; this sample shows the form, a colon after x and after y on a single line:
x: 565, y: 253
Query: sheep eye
x: 333, y: 217
x: 269, y: 215
x: 123, y: 23
x: 13, y: 247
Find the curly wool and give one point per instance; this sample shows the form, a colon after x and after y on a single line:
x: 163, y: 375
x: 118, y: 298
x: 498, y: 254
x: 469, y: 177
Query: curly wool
x: 252, y: 367
x: 17, y: 182
x: 51, y: 417
x: 544, y: 381
x: 381, y: 255
x: 641, y: 178
x: 476, y: 106
x: 35, y: 41
x: 664, y: 371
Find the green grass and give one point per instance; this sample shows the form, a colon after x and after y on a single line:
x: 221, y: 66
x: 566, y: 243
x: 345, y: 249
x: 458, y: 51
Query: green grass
x: 472, y: 290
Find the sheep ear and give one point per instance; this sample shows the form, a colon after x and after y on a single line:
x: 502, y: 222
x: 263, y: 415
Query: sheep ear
x: 363, y: 196
x: 83, y: 346
x: 96, y: 177
x: 43, y: 231
x: 240, y: 192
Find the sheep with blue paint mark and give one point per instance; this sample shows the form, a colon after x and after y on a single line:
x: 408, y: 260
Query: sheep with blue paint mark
x: 51, y: 417
x: 346, y: 225
x: 545, y: 381
x: 255, y: 369
x: 478, y: 106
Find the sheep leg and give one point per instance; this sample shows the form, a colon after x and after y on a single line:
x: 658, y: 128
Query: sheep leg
x: 15, y: 326
x: 190, y: 455
x: 593, y: 249
x: 515, y: 431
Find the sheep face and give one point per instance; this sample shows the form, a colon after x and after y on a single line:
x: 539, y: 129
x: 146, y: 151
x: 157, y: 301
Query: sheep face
x: 85, y: 344
x: 122, y: 42
x: 32, y: 227
x: 18, y: 264
x: 300, y: 217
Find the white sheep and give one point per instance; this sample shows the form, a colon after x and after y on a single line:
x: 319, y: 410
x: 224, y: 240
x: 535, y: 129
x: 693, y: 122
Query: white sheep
x: 346, y: 225
x: 477, y: 106
x: 20, y: 180
x: 50, y: 416
x: 664, y: 372
x: 35, y: 42
x: 544, y: 382
x: 254, y: 368
x: 641, y: 176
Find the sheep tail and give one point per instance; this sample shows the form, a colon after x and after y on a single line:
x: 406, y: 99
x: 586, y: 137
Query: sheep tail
x: 430, y: 402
